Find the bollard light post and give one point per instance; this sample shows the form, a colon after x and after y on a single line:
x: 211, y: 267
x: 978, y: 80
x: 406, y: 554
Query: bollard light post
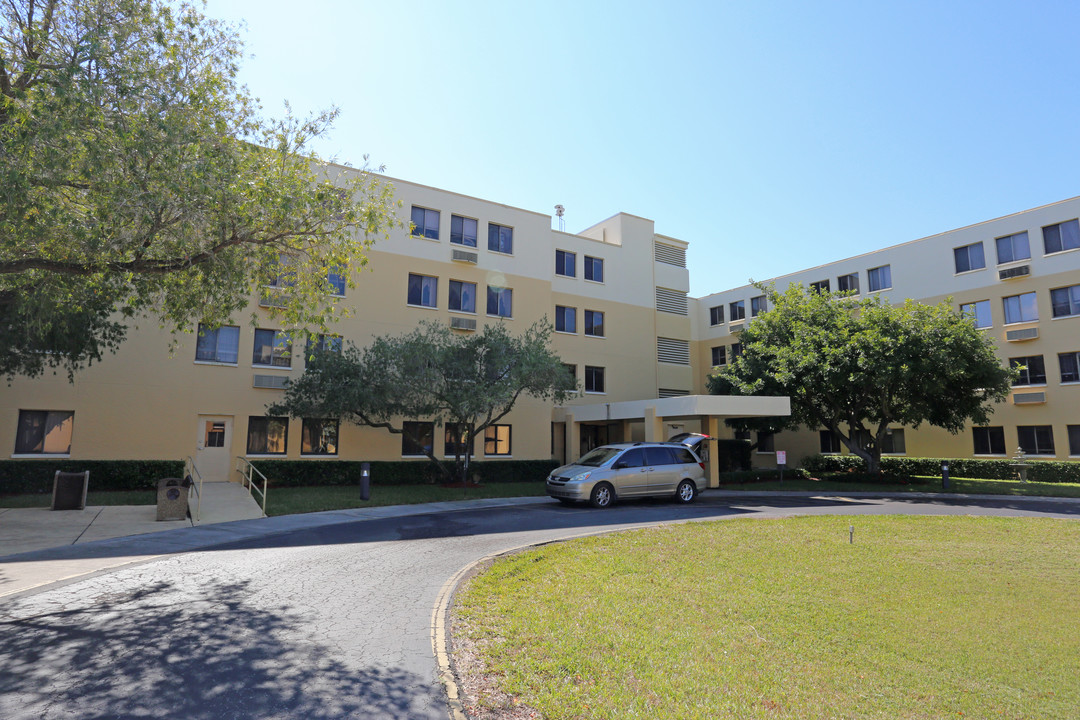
x: 365, y: 481
x: 944, y: 474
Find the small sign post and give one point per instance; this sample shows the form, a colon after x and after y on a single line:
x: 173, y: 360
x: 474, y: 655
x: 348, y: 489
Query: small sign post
x: 781, y: 461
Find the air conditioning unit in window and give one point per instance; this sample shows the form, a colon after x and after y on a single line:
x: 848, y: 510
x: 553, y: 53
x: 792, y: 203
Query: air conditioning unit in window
x: 1021, y: 335
x: 459, y: 323
x: 1014, y: 272
x: 463, y: 256
x: 270, y: 382
x: 1030, y: 398
x: 737, y: 328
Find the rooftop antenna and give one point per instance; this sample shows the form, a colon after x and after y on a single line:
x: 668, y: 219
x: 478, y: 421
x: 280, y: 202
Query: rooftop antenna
x: 559, y: 212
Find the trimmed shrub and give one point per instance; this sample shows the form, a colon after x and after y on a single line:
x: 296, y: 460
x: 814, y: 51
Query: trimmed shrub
x: 297, y: 473
x: 752, y: 476
x: 36, y: 476
x: 1038, y: 470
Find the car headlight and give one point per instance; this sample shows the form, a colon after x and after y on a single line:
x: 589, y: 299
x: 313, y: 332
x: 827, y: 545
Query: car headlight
x: 581, y: 477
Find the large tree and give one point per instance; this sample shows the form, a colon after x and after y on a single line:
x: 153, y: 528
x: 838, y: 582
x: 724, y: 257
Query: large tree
x: 137, y: 177
x: 857, y: 366
x: 466, y: 381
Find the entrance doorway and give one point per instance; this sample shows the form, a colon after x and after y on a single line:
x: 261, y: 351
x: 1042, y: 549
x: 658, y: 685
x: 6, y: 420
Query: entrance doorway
x: 213, y: 442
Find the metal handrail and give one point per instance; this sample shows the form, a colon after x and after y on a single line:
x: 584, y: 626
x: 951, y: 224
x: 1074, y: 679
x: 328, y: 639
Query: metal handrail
x: 193, y: 472
x: 247, y: 472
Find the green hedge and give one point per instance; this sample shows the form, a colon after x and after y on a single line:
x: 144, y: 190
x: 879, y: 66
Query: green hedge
x: 36, y: 476
x: 296, y: 473
x: 1038, y: 470
x: 749, y: 476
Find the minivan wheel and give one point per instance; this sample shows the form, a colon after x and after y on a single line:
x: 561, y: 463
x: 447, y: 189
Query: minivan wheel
x: 602, y: 496
x: 686, y: 492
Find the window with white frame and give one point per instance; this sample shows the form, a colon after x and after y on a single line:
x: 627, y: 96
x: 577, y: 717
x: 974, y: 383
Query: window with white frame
x: 719, y: 356
x: 322, y: 343
x: 821, y: 286
x: 1021, y: 308
x: 335, y: 277
x: 423, y: 290
x: 1032, y: 370
x: 44, y: 432
x: 979, y: 312
x: 969, y: 257
x: 319, y: 437
x: 1065, y: 302
x: 497, y: 440
x: 571, y: 370
x: 879, y: 278
x: 1036, y: 439
x: 989, y: 440
x: 1012, y: 247
x: 594, y: 379
x: 425, y: 222
x: 594, y: 269
x: 220, y: 345
x: 273, y: 348
x: 565, y: 319
x: 1074, y: 439
x: 267, y: 435
x: 500, y: 301
x: 1062, y: 236
x: 455, y: 440
x: 594, y: 323
x: 828, y: 442
x: 565, y: 263
x: 766, y: 442
x: 737, y: 310
x: 848, y: 283
x: 716, y: 315
x: 1069, y: 364
x: 736, y: 351
x: 462, y: 231
x: 500, y: 238
x: 893, y: 442
x: 758, y: 305
x: 417, y: 438
x: 462, y: 296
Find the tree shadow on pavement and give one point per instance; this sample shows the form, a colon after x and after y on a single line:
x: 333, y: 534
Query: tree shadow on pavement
x: 196, y: 652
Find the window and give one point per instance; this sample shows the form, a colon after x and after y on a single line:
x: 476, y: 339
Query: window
x: 1021, y: 308
x: 462, y: 296
x: 267, y: 435
x: 979, y: 311
x: 1036, y: 439
x: 565, y: 319
x: 1065, y: 301
x: 462, y: 231
x: 719, y: 356
x: 500, y: 238
x: 594, y: 379
x: 594, y: 323
x: 829, y: 443
x: 821, y: 286
x: 322, y: 343
x: 716, y: 315
x: 571, y: 370
x: 742, y: 435
x: 319, y: 437
x: 417, y: 438
x: 453, y: 443
x: 336, y: 278
x: 423, y: 290
x: 1070, y: 366
x: 44, y: 432
x: 218, y: 345
x: 425, y: 223
x: 594, y: 269
x: 894, y: 442
x: 738, y: 310
x: 969, y: 257
x: 758, y: 305
x: 497, y: 440
x: 284, y: 275
x: 879, y: 278
x: 565, y: 263
x: 273, y: 348
x: 848, y: 283
x: 736, y: 351
x: 1063, y: 236
x: 500, y: 301
x: 1032, y: 370
x: 766, y: 442
x: 989, y: 440
x: 1012, y: 247
x: 1074, y: 439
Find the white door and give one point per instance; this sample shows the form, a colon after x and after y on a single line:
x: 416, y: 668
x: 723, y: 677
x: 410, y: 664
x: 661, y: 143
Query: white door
x: 213, y: 441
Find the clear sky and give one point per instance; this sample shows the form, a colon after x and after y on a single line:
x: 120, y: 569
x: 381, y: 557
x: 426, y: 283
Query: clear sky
x: 771, y: 135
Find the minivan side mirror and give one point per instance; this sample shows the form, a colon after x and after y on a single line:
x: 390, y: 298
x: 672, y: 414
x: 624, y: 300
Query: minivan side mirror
x: 619, y: 465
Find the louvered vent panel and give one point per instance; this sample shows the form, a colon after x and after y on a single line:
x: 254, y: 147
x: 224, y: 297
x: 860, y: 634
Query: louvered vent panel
x: 675, y: 352
x: 271, y: 382
x: 670, y: 254
x: 1021, y: 335
x: 1029, y: 398
x: 1014, y: 272
x: 463, y: 256
x: 671, y: 301
x: 668, y: 392
x: 458, y: 323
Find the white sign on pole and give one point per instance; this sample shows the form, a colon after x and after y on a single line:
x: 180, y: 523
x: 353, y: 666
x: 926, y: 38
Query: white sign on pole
x: 781, y: 457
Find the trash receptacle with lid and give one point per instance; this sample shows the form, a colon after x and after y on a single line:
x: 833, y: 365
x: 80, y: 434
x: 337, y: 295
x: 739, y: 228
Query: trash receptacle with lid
x: 172, y: 499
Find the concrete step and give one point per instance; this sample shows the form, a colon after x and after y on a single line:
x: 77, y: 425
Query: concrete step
x: 222, y: 502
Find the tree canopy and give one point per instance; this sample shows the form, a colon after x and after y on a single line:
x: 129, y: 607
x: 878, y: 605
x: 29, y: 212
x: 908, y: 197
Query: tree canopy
x: 467, y: 381
x: 137, y: 177
x: 857, y: 366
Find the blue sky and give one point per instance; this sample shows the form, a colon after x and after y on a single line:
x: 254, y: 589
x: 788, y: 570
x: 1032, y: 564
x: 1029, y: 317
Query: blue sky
x: 772, y: 136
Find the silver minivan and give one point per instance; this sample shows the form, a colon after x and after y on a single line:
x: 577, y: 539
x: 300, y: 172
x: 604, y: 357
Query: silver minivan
x: 627, y: 470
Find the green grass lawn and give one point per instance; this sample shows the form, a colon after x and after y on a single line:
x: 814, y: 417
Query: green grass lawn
x: 835, y: 483
x: 922, y: 617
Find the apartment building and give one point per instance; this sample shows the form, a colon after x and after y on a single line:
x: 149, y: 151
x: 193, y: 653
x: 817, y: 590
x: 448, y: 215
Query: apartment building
x: 617, y: 295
